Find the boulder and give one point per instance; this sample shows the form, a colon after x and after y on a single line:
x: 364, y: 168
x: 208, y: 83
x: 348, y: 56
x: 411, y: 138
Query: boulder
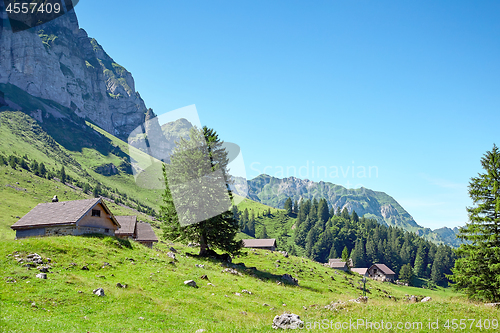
x: 287, y: 321
x: 171, y: 255
x: 119, y: 285
x: 99, y: 292
x: 42, y: 276
x: 290, y: 279
x: 190, y: 283
x: 426, y: 299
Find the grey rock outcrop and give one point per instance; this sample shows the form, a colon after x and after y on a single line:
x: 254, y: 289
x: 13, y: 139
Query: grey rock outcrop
x: 57, y: 61
x: 287, y: 321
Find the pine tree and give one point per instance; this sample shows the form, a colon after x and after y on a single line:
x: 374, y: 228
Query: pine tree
x: 355, y: 217
x: 218, y: 231
x: 406, y: 274
x: 333, y: 252
x: 338, y: 212
x: 42, y: 171
x: 296, y: 207
x: 263, y: 232
x: 62, y: 175
x: 371, y: 252
x: 34, y: 167
x: 358, y: 255
x: 323, y: 213
x: 311, y: 239
x: 345, y: 214
x: 288, y: 206
x: 345, y: 254
x: 477, y: 270
x: 439, y: 266
x: 420, y: 264
x: 12, y: 161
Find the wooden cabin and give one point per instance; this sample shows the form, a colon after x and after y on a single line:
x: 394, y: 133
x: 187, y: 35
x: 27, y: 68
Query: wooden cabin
x: 264, y: 244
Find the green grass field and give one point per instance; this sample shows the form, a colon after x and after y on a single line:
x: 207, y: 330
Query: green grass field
x: 156, y: 299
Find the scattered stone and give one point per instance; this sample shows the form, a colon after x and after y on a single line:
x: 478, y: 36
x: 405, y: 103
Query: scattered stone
x: 99, y: 292
x: 278, y: 261
x: 232, y: 271
x: 43, y: 269
x: 244, y: 291
x: 284, y: 304
x: 336, y: 306
x: 193, y: 245
x: 209, y: 284
x: 173, y: 250
x: 265, y: 304
x: 287, y: 321
x: 494, y: 305
x: 426, y: 299
x: 171, y: 255
x: 190, y: 283
x: 201, y: 330
x: 204, y: 277
x: 141, y: 318
x: 72, y: 264
x: 33, y: 305
x: 42, y: 276
x: 278, y: 283
x: 200, y: 266
x: 290, y: 279
x: 80, y: 292
x: 237, y: 294
x: 119, y: 285
x: 84, y: 268
x: 360, y: 299
x: 285, y: 254
x: 243, y: 313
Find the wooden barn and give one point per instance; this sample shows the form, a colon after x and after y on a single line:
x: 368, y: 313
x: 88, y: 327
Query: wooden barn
x: 79, y: 217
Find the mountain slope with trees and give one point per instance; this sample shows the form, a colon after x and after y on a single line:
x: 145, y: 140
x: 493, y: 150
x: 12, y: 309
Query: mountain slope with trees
x: 368, y: 203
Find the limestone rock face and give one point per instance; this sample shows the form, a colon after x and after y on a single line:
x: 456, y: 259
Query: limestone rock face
x: 59, y: 62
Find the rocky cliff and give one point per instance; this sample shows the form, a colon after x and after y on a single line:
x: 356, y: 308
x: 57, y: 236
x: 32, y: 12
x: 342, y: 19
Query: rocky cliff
x: 58, y: 61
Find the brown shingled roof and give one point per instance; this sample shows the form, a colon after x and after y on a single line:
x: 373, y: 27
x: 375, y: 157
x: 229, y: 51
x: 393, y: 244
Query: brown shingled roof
x: 145, y: 233
x: 337, y: 264
x: 267, y: 242
x: 386, y: 270
x: 59, y: 213
x: 361, y: 271
x: 127, y: 225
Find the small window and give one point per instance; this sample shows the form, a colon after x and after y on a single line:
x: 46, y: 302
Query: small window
x: 106, y: 230
x: 96, y: 212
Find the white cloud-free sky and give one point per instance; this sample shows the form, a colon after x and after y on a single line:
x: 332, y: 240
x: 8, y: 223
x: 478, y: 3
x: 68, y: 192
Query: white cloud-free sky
x: 408, y: 90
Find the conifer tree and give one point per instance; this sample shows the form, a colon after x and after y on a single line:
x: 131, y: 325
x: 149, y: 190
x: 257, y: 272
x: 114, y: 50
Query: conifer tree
x: 358, y: 255
x: 345, y: 254
x: 323, y: 213
x: 355, y: 217
x: 477, y: 269
x: 288, y: 206
x: 62, y: 175
x: 420, y: 264
x: 42, y: 171
x: 345, y: 214
x: 333, y: 252
x: 189, y: 163
x: 296, y: 207
x: 406, y: 274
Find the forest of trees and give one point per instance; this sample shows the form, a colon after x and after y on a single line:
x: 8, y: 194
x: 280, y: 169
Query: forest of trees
x: 323, y: 233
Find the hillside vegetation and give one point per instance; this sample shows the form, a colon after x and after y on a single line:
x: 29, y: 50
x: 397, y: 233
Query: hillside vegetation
x: 156, y: 299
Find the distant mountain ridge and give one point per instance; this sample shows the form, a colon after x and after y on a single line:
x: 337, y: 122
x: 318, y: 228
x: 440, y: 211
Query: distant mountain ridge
x: 371, y: 204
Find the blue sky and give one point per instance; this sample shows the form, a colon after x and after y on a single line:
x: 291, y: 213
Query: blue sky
x: 406, y: 89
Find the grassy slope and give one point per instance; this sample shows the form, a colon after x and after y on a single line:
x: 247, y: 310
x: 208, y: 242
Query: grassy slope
x: 157, y: 300
x: 18, y: 199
